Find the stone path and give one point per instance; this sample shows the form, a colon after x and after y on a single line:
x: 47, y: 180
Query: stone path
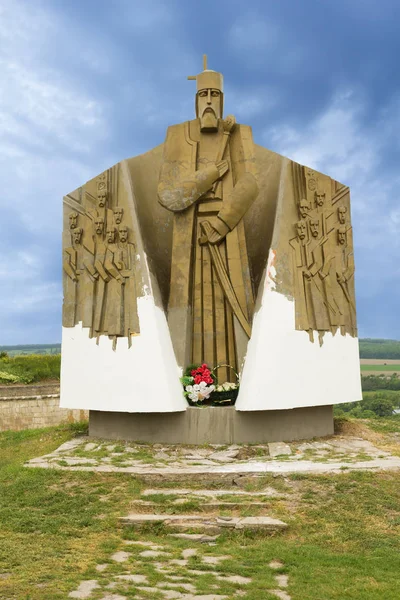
x: 214, y: 463
x: 143, y: 569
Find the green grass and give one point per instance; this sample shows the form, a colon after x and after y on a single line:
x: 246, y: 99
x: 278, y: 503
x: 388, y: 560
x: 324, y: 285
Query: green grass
x: 386, y: 424
x: 393, y: 367
x: 29, y: 369
x: 342, y: 543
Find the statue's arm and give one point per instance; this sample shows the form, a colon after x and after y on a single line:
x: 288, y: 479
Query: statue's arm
x: 101, y: 271
x: 111, y: 267
x: 349, y: 272
x: 239, y: 201
x: 70, y: 271
x: 177, y: 191
x: 318, y: 261
x: 327, y: 261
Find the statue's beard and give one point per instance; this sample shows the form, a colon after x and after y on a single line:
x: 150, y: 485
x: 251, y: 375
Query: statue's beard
x: 208, y: 120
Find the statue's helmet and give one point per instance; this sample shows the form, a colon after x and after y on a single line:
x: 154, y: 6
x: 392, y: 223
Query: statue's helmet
x: 209, y: 80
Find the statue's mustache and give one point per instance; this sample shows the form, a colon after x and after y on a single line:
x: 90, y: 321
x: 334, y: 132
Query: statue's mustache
x: 208, y: 109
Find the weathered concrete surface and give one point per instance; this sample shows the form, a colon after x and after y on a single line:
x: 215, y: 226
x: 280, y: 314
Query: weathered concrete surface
x: 214, y: 425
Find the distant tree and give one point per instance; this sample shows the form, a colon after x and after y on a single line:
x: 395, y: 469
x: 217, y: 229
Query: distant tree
x: 380, y: 405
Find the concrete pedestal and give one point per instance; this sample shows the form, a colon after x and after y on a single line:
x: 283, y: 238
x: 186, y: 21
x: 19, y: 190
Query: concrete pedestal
x: 214, y: 425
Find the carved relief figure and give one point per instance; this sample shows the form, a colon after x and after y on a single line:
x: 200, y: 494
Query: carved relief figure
x: 311, y: 310
x: 79, y: 287
x: 304, y: 208
x: 118, y: 214
x: 102, y: 191
x: 324, y: 301
x: 207, y: 179
x: 104, y: 277
x: 127, y: 263
x: 73, y: 220
x: 342, y: 210
x: 319, y: 199
x: 337, y: 271
x: 113, y: 311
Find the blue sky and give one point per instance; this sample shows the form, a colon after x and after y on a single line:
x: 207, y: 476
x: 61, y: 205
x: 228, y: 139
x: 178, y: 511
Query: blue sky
x: 86, y: 83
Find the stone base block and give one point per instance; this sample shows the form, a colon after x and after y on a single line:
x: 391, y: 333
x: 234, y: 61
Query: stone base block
x: 214, y: 425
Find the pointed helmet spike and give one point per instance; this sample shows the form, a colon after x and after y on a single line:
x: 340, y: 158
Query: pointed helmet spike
x: 208, y: 79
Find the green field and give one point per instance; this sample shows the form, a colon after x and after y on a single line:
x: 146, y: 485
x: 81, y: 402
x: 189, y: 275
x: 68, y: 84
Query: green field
x: 31, y: 349
x: 393, y: 367
x: 30, y: 368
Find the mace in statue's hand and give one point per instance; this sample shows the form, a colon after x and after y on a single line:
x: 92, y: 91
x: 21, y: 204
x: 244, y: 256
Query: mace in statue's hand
x: 223, y: 167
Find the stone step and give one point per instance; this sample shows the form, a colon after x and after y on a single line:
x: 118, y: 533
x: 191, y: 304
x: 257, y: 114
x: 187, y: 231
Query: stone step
x: 216, y: 505
x: 207, y: 523
x: 195, y: 537
x: 208, y: 493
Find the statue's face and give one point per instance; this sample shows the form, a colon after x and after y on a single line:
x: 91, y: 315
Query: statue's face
x: 73, y: 218
x: 314, y: 227
x: 342, y: 210
x: 320, y: 198
x: 102, y: 193
x: 342, y: 235
x: 209, y: 108
x: 99, y: 225
x: 303, y: 208
x: 123, y: 234
x: 77, y: 235
x: 301, y: 229
x: 110, y: 234
x: 118, y: 214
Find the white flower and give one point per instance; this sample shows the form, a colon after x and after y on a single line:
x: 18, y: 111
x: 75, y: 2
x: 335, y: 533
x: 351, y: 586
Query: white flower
x: 199, y: 391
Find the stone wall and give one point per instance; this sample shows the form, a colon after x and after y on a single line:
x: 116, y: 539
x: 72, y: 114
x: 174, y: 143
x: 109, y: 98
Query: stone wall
x: 33, y: 407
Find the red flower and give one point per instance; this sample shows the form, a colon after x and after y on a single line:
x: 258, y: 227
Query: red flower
x: 202, y: 373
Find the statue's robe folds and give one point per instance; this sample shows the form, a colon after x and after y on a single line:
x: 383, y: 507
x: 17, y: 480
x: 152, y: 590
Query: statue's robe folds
x: 200, y: 316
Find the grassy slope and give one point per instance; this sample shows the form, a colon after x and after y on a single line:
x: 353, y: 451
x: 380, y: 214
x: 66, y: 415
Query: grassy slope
x: 343, y: 541
x: 29, y: 369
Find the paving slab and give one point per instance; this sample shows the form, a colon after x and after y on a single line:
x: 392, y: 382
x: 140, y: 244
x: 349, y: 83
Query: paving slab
x: 85, y: 589
x: 223, y: 465
x: 279, y: 449
x: 120, y: 556
x: 205, y: 522
x: 281, y: 594
x: 275, y: 564
x: 133, y: 578
x: 282, y: 580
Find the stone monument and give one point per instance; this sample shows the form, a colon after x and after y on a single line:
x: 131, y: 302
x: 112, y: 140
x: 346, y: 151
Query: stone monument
x: 209, y: 249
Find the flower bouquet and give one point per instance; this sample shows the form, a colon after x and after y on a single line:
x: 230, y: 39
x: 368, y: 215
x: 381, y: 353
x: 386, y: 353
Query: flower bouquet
x: 202, y: 388
x: 225, y: 394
